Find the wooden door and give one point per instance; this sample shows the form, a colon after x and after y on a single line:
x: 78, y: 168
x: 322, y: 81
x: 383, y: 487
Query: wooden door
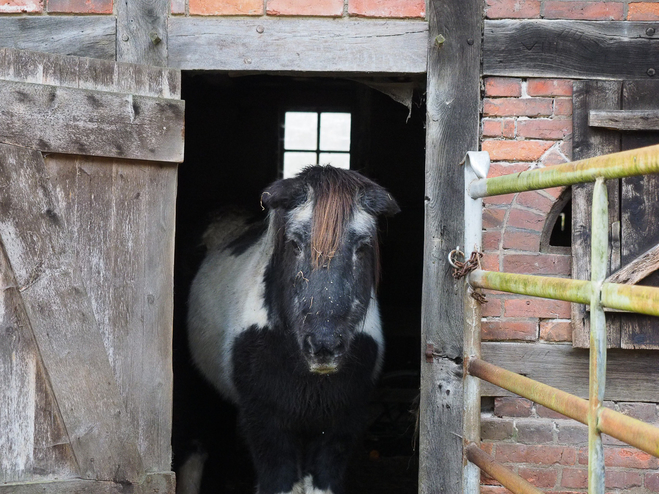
x: 88, y: 153
x: 611, y: 116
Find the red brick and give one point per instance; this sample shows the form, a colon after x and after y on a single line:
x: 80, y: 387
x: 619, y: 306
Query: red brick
x: 544, y: 264
x: 515, y: 150
x: 387, y: 8
x: 534, y: 431
x: 555, y: 331
x: 512, y: 407
x: 496, y: 429
x: 490, y: 261
x: 539, y: 477
x: 492, y: 128
x: 647, y: 412
x: 544, y: 128
x: 575, y: 478
x: 20, y: 6
x: 539, y: 455
x: 503, y: 86
x: 652, y: 482
x: 504, y: 199
x: 521, y: 240
x: 332, y: 8
x: 553, y: 157
x: 572, y: 433
x: 500, y: 169
x: 80, y: 6
x: 535, y: 200
x: 517, y: 107
x: 509, y: 330
x: 536, y: 307
x: 491, y: 308
x: 494, y: 489
x: 491, y: 240
x: 528, y: 220
x: 493, y: 218
x: 548, y: 413
x: 226, y: 7
x: 629, y: 458
x: 549, y: 87
x: 594, y: 11
x: 563, y: 107
x: 509, y: 128
x: 643, y: 11
x: 178, y: 7
x: 620, y: 479
x: 517, y: 9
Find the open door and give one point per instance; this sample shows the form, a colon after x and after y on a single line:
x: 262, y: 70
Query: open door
x: 88, y: 165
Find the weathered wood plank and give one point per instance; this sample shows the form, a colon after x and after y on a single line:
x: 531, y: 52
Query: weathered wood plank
x: 298, y: 45
x: 639, y: 212
x: 120, y: 217
x: 630, y: 375
x: 83, y: 36
x: 574, y: 49
x: 586, y: 143
x: 142, y: 31
x: 625, y: 119
x: 452, y: 123
x: 62, y: 320
x: 96, y: 123
x: 156, y: 483
x: 636, y: 270
x: 33, y: 444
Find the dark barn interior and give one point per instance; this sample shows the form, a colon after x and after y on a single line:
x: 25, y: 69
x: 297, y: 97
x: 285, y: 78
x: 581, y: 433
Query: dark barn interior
x: 234, y: 129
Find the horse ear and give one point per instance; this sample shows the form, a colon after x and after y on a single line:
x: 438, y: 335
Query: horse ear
x: 286, y: 194
x: 377, y: 201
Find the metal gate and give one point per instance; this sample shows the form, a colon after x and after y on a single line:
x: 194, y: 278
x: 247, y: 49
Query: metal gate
x: 596, y: 293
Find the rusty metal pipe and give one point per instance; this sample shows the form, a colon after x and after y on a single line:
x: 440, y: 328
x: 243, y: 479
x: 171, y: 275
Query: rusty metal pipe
x: 559, y: 401
x: 510, y: 480
x: 616, y: 165
x: 630, y: 430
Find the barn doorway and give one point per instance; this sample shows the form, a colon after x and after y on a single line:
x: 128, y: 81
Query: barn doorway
x: 235, y: 146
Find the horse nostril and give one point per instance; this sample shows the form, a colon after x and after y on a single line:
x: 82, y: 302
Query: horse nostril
x: 324, y: 345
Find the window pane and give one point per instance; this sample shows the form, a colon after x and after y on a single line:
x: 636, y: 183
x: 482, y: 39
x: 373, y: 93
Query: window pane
x: 335, y: 131
x: 294, y: 162
x: 339, y: 160
x: 300, y: 130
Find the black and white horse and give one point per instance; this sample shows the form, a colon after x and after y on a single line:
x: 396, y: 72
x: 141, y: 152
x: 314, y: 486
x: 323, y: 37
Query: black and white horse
x: 284, y: 322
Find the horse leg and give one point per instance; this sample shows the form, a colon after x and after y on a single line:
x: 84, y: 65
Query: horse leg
x: 326, y: 463
x: 275, y: 455
x: 189, y: 475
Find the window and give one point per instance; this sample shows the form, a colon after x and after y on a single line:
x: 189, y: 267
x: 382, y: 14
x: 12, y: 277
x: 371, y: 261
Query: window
x: 312, y: 138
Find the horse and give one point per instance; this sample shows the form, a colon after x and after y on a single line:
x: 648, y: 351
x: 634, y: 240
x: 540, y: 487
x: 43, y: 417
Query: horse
x: 283, y: 321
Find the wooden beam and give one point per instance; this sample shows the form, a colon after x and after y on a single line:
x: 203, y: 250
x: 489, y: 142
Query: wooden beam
x: 452, y: 123
x: 641, y: 267
x: 631, y: 375
x: 298, y: 45
x: 142, y: 31
x: 62, y: 320
x: 624, y: 119
x: 155, y: 483
x: 91, y: 123
x: 614, y: 50
x: 84, y: 36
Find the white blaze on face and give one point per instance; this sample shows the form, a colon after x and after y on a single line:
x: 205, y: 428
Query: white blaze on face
x: 362, y: 223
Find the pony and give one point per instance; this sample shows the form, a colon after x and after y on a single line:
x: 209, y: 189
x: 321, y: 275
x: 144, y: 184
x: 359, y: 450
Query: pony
x: 283, y: 321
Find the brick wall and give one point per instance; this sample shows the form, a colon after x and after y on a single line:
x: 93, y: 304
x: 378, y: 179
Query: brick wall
x: 527, y: 123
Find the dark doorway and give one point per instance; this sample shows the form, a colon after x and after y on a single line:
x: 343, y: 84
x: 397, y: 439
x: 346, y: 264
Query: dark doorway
x: 233, y: 151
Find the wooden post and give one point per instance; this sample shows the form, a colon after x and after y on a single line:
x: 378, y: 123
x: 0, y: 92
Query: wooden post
x: 142, y: 31
x: 451, y: 130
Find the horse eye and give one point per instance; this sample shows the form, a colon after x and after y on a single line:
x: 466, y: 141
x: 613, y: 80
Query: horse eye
x: 362, y: 247
x: 296, y: 247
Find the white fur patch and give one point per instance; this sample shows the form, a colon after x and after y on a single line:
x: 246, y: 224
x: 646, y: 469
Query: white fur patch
x: 188, y: 477
x: 362, y: 223
x: 299, y: 218
x: 310, y: 489
x: 372, y: 326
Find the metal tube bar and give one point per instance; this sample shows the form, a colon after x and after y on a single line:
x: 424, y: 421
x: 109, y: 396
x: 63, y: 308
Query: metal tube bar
x: 627, y: 429
x: 634, y: 298
x: 537, y: 286
x: 597, y: 374
x: 477, y: 164
x: 559, y: 401
x: 617, y: 165
x: 508, y: 479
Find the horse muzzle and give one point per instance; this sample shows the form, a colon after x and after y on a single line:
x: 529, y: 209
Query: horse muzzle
x: 323, y: 351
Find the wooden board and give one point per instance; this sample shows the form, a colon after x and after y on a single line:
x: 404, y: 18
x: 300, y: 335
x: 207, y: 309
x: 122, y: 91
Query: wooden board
x: 120, y: 216
x: 630, y: 375
x: 142, y: 31
x: 625, y: 119
x: 298, y: 45
x: 452, y: 123
x: 62, y: 320
x: 639, y: 213
x: 84, y: 36
x: 588, y: 142
x: 159, y: 483
x: 572, y: 49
